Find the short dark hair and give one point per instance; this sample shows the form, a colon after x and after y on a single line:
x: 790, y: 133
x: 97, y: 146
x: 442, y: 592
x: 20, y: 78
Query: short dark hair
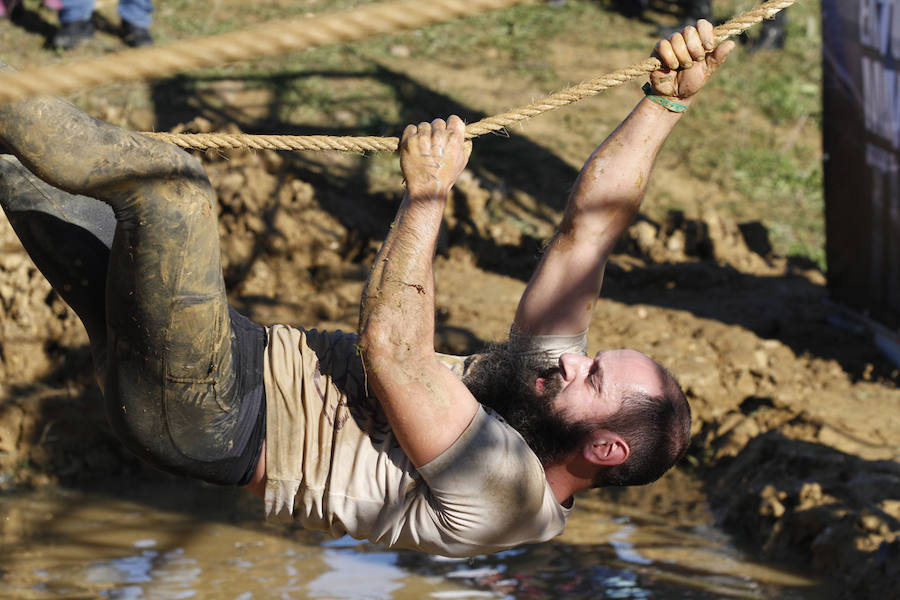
x: 657, y: 430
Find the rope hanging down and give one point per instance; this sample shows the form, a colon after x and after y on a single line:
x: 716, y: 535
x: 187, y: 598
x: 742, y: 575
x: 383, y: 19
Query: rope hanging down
x: 208, y: 141
x: 263, y: 40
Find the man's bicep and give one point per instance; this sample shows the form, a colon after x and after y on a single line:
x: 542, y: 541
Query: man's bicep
x: 562, y: 293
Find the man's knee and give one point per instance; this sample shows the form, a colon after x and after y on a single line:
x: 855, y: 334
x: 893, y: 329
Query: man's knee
x: 166, y: 161
x: 182, y: 206
x: 131, y: 167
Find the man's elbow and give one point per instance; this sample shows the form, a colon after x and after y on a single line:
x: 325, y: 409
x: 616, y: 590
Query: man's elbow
x: 377, y: 357
x: 374, y: 342
x: 601, y: 218
x: 385, y: 345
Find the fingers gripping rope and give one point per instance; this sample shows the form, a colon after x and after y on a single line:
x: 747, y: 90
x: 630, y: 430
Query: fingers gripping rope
x: 274, y: 38
x: 735, y: 26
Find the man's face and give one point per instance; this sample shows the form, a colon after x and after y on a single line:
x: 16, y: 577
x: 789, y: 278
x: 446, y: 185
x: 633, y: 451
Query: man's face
x: 594, y: 389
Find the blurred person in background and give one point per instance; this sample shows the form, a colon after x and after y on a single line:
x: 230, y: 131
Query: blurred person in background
x: 76, y: 27
x: 7, y: 7
x: 772, y: 33
x: 771, y: 36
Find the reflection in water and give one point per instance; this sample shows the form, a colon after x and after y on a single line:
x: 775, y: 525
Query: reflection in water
x: 624, y: 548
x: 183, y: 540
x: 353, y: 574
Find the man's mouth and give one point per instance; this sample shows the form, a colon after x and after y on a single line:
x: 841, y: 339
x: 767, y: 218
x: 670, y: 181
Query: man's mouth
x: 598, y: 377
x: 551, y: 372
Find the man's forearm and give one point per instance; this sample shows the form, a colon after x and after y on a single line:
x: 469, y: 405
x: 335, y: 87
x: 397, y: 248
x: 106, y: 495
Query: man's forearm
x: 605, y: 199
x: 611, y: 185
x: 426, y: 406
x: 398, y: 301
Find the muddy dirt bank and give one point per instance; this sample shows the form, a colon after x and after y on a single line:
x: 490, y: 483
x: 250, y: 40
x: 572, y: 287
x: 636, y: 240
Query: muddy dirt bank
x: 795, y: 412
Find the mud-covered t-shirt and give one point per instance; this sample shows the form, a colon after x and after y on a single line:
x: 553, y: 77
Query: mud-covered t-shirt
x: 334, y: 464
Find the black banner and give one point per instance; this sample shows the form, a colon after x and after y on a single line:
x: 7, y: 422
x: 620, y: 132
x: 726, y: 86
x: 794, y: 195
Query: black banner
x: 861, y: 55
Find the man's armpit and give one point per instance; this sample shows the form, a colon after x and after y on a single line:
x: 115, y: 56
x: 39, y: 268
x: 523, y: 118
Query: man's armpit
x: 552, y: 346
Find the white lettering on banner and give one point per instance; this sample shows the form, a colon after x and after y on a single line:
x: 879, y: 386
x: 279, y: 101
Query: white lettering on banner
x: 881, y: 160
x: 867, y: 22
x: 884, y: 259
x: 881, y: 100
x: 879, y: 26
x: 879, y: 30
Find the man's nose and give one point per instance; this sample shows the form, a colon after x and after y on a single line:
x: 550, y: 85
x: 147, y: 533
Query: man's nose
x: 573, y: 365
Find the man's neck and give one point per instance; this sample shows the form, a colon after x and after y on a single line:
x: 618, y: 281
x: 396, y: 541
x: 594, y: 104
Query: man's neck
x: 565, y: 480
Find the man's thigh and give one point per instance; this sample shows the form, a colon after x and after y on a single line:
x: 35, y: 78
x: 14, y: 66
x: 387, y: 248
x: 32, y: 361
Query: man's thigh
x: 175, y: 383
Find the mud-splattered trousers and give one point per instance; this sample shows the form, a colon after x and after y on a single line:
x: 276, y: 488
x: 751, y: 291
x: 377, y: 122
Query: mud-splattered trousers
x: 181, y: 372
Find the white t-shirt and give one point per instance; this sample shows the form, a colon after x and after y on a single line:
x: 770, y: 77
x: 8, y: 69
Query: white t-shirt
x: 334, y: 464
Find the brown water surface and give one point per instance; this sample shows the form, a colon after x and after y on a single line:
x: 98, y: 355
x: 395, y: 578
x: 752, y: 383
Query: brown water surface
x: 177, y: 539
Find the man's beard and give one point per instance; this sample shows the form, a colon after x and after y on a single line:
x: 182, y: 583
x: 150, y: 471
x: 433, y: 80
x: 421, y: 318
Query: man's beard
x: 506, y: 383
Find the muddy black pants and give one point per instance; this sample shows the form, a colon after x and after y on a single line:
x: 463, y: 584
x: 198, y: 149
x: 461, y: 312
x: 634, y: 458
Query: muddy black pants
x: 124, y: 228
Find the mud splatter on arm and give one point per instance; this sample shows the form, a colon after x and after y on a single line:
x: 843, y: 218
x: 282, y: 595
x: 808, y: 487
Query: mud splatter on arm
x: 426, y: 405
x: 611, y: 185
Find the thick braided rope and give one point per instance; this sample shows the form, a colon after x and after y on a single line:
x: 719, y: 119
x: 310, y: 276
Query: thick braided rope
x: 733, y: 27
x: 204, y: 141
x: 264, y: 40
x: 224, y: 141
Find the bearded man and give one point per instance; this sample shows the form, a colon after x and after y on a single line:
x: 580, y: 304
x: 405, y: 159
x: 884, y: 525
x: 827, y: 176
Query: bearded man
x: 375, y: 435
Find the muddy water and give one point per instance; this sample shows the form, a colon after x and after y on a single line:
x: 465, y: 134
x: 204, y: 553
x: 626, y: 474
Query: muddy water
x: 175, y: 540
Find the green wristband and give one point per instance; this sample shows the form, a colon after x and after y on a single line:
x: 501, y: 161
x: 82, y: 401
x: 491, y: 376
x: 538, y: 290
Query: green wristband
x: 670, y: 105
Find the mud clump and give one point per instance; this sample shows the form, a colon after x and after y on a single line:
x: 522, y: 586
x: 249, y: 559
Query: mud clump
x: 795, y: 427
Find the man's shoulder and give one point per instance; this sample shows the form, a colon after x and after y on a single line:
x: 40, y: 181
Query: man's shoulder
x: 492, y: 478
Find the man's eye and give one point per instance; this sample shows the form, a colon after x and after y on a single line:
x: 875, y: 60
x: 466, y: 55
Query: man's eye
x: 595, y: 379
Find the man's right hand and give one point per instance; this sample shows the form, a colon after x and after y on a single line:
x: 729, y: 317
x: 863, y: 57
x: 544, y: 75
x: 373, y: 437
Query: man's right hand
x: 433, y: 155
x: 688, y: 59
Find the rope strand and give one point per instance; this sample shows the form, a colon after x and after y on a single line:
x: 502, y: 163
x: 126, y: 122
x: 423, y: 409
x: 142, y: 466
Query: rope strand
x: 264, y: 40
x: 206, y: 141
x: 298, y: 34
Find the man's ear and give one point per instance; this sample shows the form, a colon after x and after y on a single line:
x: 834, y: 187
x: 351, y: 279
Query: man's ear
x: 606, y: 448
x: 540, y: 384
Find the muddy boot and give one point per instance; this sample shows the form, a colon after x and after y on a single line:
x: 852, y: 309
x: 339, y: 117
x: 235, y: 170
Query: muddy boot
x: 694, y: 10
x: 773, y: 34
x: 136, y: 37
x: 632, y: 8
x: 72, y: 35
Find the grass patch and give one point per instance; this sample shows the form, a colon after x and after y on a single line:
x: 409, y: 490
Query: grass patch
x: 760, y: 137
x: 771, y: 100
x: 790, y: 186
x: 520, y: 33
x: 755, y: 133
